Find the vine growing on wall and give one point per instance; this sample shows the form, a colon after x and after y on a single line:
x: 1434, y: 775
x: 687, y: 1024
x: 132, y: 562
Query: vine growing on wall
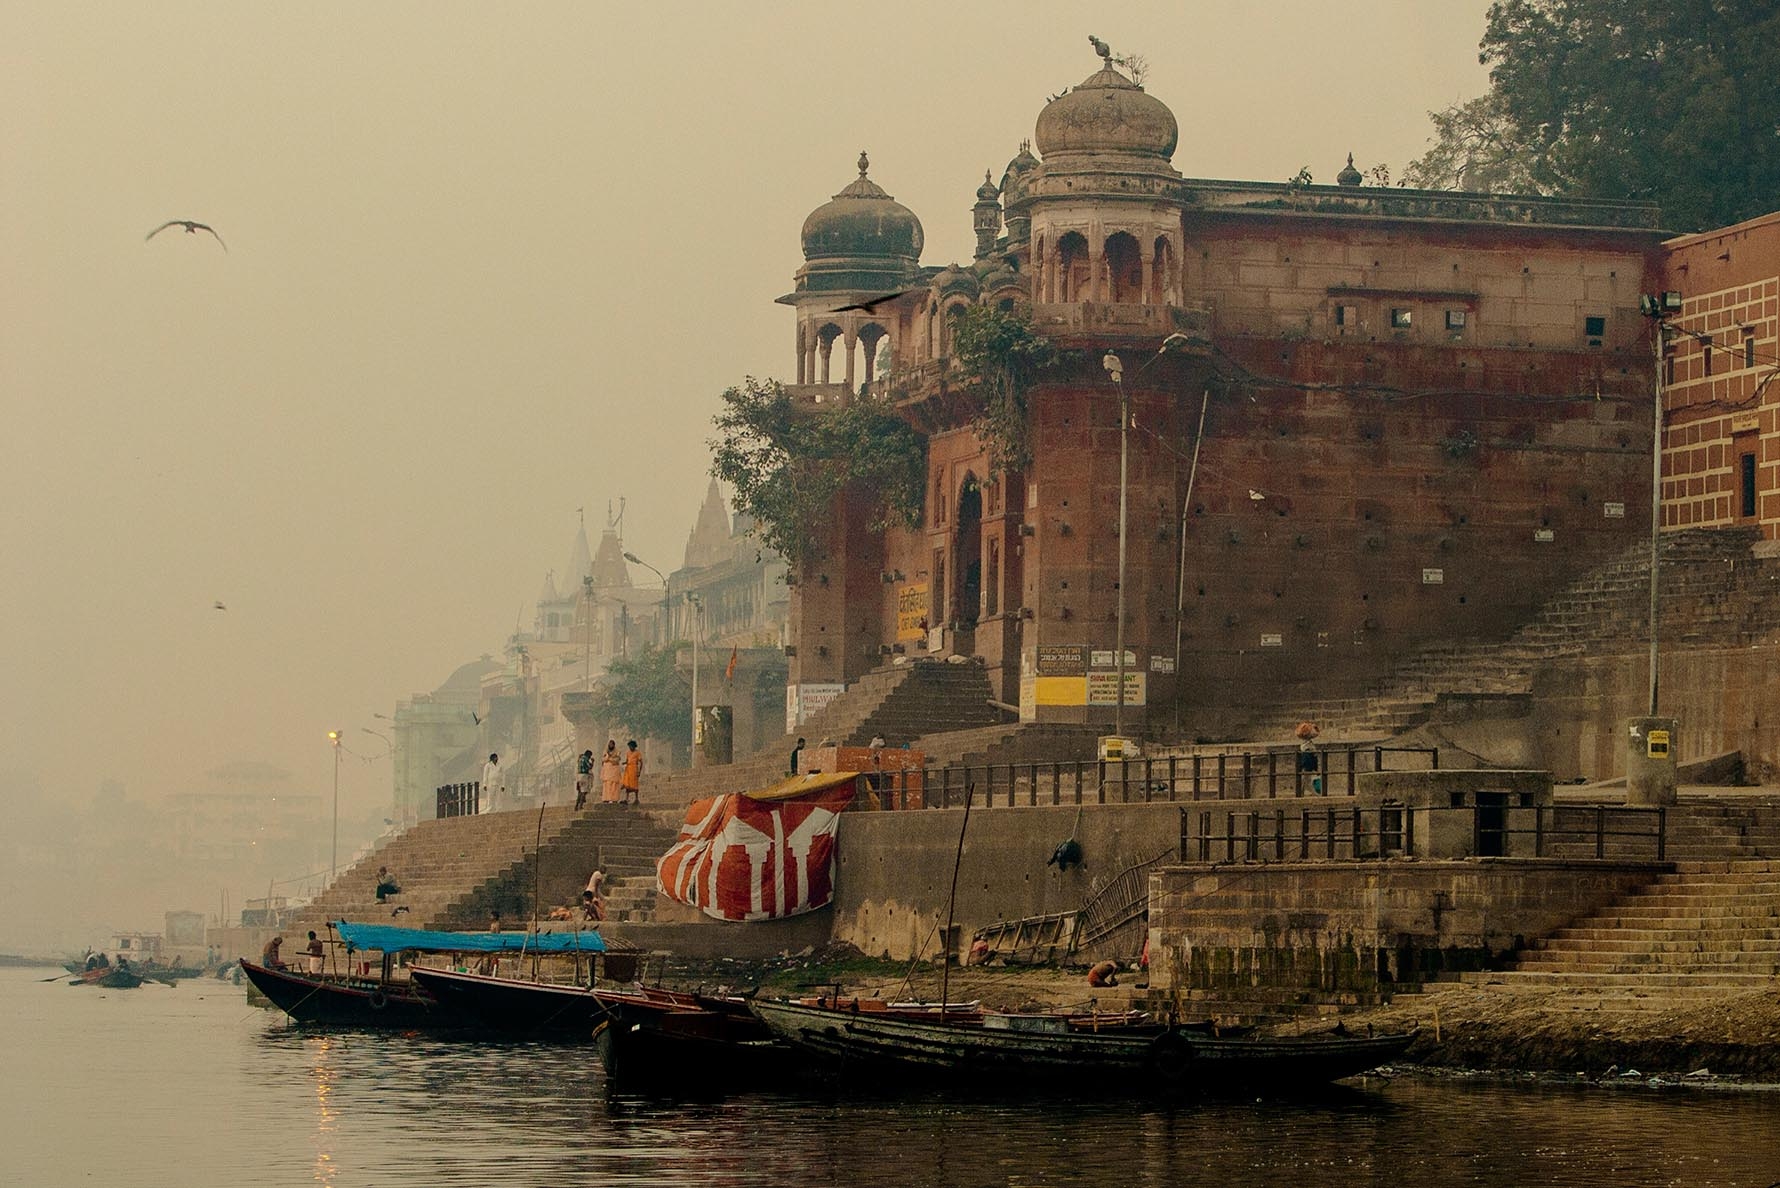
x: 999, y: 358
x: 790, y: 462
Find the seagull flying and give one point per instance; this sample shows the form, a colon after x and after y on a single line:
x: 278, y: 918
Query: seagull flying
x: 191, y: 228
x: 218, y: 604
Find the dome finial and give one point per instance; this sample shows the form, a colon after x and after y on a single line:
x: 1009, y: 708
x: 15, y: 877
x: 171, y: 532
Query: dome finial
x: 1349, y: 176
x: 1101, y: 48
x: 864, y: 162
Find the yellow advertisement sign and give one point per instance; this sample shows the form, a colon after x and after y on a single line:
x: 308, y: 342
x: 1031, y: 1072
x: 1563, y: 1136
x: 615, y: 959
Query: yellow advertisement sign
x: 1060, y: 690
x: 1657, y: 744
x: 911, y: 612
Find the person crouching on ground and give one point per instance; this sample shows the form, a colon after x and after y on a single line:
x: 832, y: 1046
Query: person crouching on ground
x: 386, y: 884
x: 269, y: 956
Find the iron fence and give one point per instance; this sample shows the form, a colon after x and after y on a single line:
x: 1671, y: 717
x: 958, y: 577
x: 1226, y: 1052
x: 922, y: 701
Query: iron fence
x: 1237, y: 775
x: 1620, y: 833
x: 458, y: 800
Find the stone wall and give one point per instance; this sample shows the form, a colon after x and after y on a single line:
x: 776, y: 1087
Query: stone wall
x: 895, y: 868
x: 1335, y: 929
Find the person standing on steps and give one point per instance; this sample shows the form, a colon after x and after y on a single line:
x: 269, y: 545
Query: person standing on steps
x: 493, y: 783
x: 583, y: 777
x: 611, y: 773
x: 796, y: 754
x: 632, y: 780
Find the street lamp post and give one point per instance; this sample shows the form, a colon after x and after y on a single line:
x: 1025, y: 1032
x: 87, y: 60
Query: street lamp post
x: 334, y: 854
x: 696, y: 613
x: 1116, y: 368
x: 636, y: 560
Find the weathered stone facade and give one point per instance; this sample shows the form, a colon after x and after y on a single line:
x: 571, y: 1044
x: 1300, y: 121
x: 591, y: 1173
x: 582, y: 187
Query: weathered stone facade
x: 1422, y: 411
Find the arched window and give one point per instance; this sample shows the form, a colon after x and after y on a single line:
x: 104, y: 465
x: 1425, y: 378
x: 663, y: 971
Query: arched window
x: 1164, y: 284
x: 869, y: 336
x: 1074, y: 270
x: 825, y: 339
x: 1124, y: 269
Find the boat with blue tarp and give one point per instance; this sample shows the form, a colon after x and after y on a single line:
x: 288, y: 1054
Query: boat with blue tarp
x: 351, y: 995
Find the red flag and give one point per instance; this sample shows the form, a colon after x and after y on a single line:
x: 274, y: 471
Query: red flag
x: 729, y: 672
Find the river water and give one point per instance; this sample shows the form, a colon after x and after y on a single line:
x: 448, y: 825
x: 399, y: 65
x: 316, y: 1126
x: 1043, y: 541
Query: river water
x: 192, y: 1086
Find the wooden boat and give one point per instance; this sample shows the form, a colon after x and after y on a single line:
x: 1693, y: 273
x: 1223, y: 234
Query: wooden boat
x: 712, y: 1049
x: 389, y: 1001
x: 111, y: 977
x: 1020, y: 1050
x: 347, y: 1001
x: 522, y: 1007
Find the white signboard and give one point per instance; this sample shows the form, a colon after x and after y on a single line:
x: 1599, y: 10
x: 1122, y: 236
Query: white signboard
x: 1110, y: 659
x: 1161, y: 663
x: 1544, y: 535
x: 803, y: 700
x: 1272, y: 639
x: 1613, y: 511
x: 1433, y: 577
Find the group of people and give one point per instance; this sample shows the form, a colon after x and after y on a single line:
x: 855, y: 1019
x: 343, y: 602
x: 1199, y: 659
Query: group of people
x: 620, y: 774
x: 620, y: 778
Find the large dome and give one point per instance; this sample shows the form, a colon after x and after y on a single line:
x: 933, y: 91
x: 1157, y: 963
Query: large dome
x: 1108, y: 113
x: 862, y: 220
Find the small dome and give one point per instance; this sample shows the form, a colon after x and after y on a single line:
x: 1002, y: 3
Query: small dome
x: 1349, y: 176
x: 953, y: 279
x: 1108, y: 113
x: 987, y: 192
x: 862, y: 220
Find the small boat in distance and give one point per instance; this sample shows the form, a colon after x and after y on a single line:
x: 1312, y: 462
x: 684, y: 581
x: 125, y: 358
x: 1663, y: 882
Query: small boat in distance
x: 1018, y: 1050
x: 392, y: 1000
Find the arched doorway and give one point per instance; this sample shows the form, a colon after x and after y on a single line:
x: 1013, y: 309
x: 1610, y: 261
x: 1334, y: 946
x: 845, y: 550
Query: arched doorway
x: 1124, y: 269
x: 968, y: 560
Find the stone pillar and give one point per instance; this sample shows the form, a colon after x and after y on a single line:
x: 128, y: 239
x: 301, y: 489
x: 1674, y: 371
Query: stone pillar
x: 1651, y: 747
x: 850, y: 340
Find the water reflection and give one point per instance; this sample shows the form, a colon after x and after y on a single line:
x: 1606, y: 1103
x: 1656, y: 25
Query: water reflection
x: 269, y: 1104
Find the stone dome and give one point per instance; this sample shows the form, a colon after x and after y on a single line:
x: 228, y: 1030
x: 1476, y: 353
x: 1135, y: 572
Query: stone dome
x: 1107, y: 113
x: 862, y: 220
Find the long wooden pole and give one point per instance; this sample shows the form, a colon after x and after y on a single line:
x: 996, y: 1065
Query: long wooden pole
x: 945, y: 951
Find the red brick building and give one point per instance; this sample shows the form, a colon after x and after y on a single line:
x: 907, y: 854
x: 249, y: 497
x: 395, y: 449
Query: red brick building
x: 1721, y: 444
x: 1423, y: 411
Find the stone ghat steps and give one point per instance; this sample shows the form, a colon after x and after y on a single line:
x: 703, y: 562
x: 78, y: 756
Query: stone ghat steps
x: 1694, y: 984
x: 442, y: 864
x: 1711, y: 586
x: 1719, y: 925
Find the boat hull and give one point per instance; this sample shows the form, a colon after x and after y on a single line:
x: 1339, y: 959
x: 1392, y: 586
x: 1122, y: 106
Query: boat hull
x: 348, y: 1002
x: 518, y: 1007
x: 1148, y: 1057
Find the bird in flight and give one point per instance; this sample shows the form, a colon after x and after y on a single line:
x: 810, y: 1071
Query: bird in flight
x: 219, y: 605
x: 191, y: 228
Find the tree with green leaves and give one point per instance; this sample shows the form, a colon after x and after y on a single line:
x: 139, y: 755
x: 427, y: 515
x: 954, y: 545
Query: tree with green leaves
x: 999, y: 358
x: 790, y: 462
x: 648, y: 696
x: 1675, y: 102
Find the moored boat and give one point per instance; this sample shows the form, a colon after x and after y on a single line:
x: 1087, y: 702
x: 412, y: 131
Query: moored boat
x: 1131, y: 1053
x: 391, y: 1001
x: 521, y: 1007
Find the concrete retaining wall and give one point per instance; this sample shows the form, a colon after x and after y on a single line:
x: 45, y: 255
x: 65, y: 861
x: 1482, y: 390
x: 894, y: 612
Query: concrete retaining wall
x: 895, y: 868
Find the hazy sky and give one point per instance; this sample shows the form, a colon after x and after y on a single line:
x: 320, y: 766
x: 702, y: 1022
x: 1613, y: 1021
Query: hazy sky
x: 486, y: 264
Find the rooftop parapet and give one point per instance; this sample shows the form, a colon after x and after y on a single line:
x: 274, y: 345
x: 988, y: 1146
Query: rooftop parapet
x: 1390, y: 202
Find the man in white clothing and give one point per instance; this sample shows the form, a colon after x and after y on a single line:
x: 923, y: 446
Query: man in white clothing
x: 494, y: 785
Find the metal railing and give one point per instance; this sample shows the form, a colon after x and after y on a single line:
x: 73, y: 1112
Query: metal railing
x: 1239, y: 775
x: 1606, y: 832
x: 458, y: 800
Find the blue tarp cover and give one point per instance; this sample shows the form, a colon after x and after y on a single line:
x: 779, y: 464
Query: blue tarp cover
x: 386, y: 939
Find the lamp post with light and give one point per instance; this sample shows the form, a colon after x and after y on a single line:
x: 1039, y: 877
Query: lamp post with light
x: 334, y: 854
x: 1115, y: 367
x: 636, y: 560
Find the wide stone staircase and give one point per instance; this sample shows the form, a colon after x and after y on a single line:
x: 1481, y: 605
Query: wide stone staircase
x: 1707, y: 929
x: 455, y: 870
x: 1713, y: 590
x: 901, y: 702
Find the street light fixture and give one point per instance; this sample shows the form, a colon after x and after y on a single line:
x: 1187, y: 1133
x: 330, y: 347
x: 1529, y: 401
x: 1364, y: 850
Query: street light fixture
x: 1657, y: 307
x: 636, y: 560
